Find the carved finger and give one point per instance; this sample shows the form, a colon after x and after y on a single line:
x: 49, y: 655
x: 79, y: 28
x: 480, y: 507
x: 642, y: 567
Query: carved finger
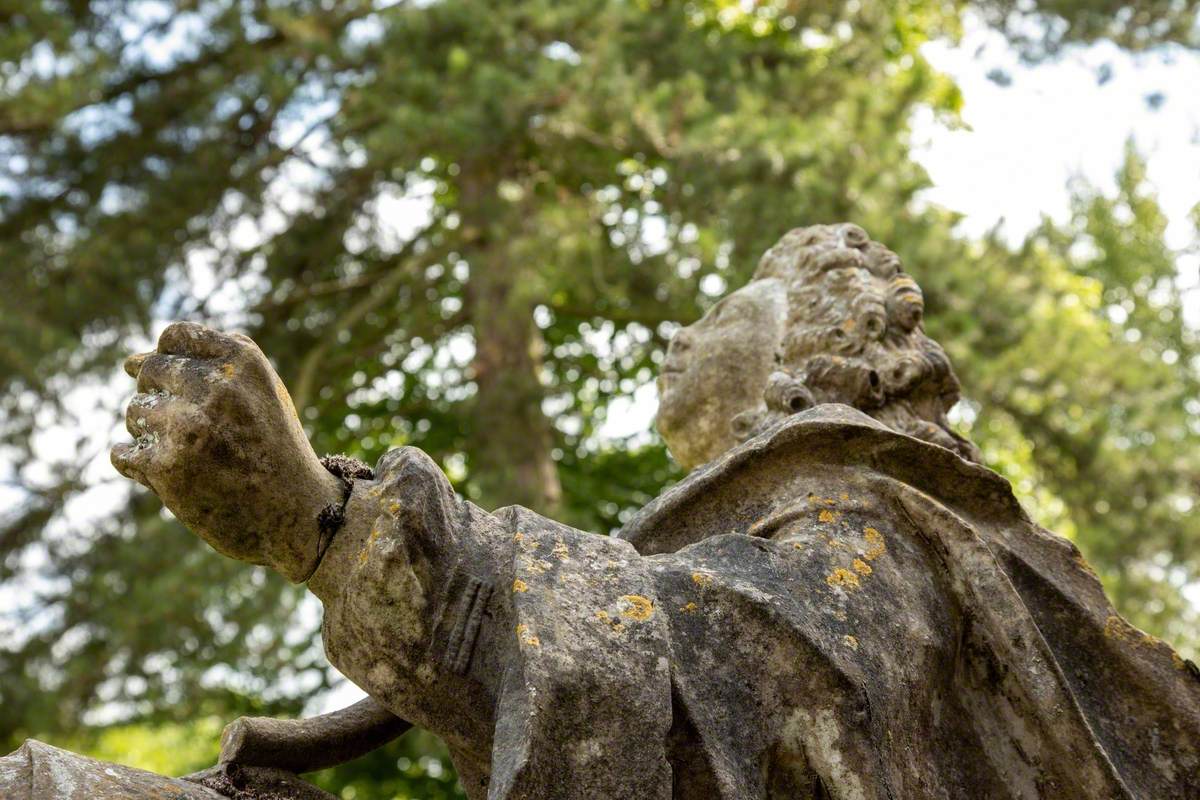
x: 195, y: 340
x: 163, y: 436
x: 176, y: 375
x: 147, y: 412
x: 132, y: 459
x: 133, y: 364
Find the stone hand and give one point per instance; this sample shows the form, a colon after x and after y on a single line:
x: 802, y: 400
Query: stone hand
x: 217, y: 438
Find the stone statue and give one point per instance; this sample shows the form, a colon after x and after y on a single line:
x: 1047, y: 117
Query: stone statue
x: 838, y: 601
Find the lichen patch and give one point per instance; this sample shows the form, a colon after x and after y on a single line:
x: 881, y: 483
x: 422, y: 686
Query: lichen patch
x: 639, y: 608
x: 842, y: 577
x: 365, y: 553
x: 1117, y: 628
x: 527, y: 638
x: 875, y: 544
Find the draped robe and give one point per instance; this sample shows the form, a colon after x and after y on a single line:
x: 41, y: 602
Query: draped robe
x: 832, y: 609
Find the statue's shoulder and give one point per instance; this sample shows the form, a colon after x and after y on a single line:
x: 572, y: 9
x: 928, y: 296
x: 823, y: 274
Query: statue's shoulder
x: 827, y: 450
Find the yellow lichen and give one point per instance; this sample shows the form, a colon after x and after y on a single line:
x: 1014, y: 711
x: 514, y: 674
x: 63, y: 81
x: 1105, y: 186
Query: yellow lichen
x: 1117, y: 628
x: 364, y: 553
x: 394, y: 508
x: 602, y: 615
x: 690, y: 608
x: 850, y: 642
x: 827, y: 516
x: 845, y: 496
x: 281, y: 392
x: 875, y: 544
x: 228, y: 370
x: 701, y: 578
x: 526, y: 638
x: 536, y: 566
x: 798, y: 545
x: 518, y: 537
x: 520, y: 586
x: 560, y: 551
x: 842, y: 577
x: 861, y: 567
x: 640, y: 608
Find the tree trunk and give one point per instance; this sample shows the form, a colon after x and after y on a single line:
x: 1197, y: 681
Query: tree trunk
x: 512, y: 439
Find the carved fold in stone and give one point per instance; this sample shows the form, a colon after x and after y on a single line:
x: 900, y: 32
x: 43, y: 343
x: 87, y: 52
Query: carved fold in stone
x: 468, y: 616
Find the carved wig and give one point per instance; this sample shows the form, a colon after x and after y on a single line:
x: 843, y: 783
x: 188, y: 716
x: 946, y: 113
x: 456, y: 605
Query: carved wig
x: 854, y: 335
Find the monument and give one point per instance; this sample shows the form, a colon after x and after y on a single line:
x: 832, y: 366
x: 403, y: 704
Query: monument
x: 838, y: 601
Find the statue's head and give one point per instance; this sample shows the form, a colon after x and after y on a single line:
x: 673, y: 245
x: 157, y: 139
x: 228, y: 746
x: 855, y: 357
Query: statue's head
x: 828, y: 318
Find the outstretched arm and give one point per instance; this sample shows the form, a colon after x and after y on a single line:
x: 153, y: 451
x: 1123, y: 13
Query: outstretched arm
x: 307, y: 745
x: 217, y: 439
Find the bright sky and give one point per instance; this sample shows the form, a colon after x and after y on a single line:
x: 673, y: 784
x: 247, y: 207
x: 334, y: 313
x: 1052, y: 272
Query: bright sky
x: 1022, y: 145
x: 1024, y: 142
x: 1056, y: 122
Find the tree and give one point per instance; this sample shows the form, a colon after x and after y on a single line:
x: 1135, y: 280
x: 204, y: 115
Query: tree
x: 1084, y: 377
x: 469, y: 226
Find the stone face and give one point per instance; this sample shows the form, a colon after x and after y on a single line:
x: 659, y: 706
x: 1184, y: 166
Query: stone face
x: 839, y: 603
x: 828, y: 318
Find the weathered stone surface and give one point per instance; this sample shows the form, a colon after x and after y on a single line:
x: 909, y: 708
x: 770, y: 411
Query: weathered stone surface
x: 307, y: 745
x: 863, y: 614
x: 217, y: 438
x: 839, y: 604
x: 39, y: 771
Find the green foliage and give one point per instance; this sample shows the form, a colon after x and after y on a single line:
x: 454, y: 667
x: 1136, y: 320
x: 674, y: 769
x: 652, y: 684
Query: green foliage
x: 168, y: 748
x: 417, y: 767
x: 1074, y: 352
x: 1043, y: 28
x: 589, y: 174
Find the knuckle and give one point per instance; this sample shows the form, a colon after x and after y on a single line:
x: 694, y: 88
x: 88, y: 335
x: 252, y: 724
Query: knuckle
x: 242, y: 341
x: 175, y: 333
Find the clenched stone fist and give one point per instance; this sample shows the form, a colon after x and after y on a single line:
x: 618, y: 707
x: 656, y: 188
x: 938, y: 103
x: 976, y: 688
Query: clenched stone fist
x: 217, y: 438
